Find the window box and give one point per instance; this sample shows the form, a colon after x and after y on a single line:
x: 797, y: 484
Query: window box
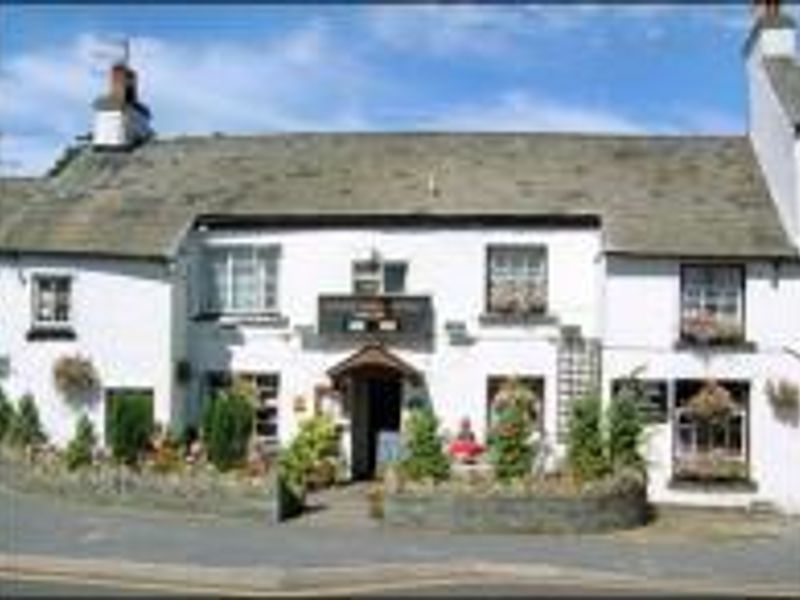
x: 41, y: 333
x: 512, y: 319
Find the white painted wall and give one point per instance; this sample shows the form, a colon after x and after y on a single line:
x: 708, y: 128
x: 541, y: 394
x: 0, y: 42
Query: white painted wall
x: 641, y: 326
x: 121, y: 314
x: 448, y: 265
x: 770, y: 129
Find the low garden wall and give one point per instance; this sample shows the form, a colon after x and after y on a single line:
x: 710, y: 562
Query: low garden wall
x: 200, y: 489
x: 608, y: 508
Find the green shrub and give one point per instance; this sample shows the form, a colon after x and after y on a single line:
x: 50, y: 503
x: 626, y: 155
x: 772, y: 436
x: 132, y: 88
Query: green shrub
x: 7, y: 415
x: 510, y: 450
x: 586, y: 454
x: 227, y: 427
x: 129, y: 423
x: 81, y: 447
x: 311, y: 452
x: 25, y: 428
x: 423, y: 455
x: 625, y: 429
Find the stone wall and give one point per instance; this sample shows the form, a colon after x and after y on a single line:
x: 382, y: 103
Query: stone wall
x: 199, y: 491
x: 514, y: 513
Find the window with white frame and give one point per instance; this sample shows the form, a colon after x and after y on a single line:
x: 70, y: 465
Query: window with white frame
x: 712, y: 302
x: 374, y: 277
x: 52, y: 301
x: 264, y: 388
x: 241, y: 279
x: 517, y: 279
x: 711, y: 430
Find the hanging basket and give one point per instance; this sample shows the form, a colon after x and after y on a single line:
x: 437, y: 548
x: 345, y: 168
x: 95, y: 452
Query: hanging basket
x: 75, y: 377
x: 784, y: 396
x: 712, y: 402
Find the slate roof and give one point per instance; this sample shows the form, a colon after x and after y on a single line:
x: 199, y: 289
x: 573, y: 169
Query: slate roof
x: 672, y: 196
x: 784, y: 73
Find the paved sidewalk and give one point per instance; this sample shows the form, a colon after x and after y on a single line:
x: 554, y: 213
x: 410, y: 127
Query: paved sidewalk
x: 42, y: 529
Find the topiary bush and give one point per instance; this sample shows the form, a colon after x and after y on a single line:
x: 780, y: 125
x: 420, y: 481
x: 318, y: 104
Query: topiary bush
x: 227, y: 427
x: 6, y: 415
x: 586, y: 454
x: 129, y: 422
x: 81, y: 447
x: 510, y: 450
x: 311, y: 453
x: 625, y: 429
x: 424, y: 457
x: 26, y: 428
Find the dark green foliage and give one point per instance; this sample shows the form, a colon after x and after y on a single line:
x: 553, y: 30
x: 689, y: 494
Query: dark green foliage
x: 424, y: 456
x: 586, y: 454
x: 81, y: 447
x: 7, y: 415
x: 26, y: 429
x: 313, y: 449
x: 625, y: 429
x: 129, y: 423
x: 509, y: 438
x: 227, y: 427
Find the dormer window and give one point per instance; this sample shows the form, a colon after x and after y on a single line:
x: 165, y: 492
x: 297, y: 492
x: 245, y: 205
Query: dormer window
x: 375, y: 277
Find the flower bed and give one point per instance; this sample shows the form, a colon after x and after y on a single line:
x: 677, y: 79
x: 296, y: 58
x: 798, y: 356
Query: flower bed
x: 200, y: 489
x: 534, y: 506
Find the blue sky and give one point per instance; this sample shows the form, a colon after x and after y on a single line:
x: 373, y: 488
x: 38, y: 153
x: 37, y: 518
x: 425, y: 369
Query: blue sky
x: 248, y: 69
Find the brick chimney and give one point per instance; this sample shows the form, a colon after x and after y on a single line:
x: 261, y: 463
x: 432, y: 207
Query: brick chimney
x: 120, y: 120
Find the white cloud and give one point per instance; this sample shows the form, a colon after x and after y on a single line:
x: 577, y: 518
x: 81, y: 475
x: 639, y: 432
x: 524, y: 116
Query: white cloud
x: 28, y: 154
x: 300, y: 81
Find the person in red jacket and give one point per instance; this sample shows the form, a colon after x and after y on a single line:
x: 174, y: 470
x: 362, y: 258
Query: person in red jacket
x: 464, y: 448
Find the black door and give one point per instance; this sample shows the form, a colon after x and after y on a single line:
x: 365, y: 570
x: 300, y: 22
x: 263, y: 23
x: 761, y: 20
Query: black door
x: 383, y: 395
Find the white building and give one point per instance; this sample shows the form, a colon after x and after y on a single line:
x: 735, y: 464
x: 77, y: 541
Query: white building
x: 363, y: 272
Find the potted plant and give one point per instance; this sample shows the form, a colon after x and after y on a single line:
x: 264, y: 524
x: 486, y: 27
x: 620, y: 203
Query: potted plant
x: 75, y: 377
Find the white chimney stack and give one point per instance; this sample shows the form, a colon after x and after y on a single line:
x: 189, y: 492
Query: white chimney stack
x: 120, y: 120
x: 773, y: 119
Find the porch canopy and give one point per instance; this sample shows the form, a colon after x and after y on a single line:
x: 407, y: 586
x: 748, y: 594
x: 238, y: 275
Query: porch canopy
x: 374, y: 357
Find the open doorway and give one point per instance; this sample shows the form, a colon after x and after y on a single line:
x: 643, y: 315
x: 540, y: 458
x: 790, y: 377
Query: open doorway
x: 376, y: 407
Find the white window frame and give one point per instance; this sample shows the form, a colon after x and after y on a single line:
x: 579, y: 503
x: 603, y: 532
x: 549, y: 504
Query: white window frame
x: 261, y: 256
x: 534, y: 278
x: 36, y: 301
x: 704, y: 293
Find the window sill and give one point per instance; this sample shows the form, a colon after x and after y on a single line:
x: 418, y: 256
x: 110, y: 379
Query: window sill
x: 716, y: 345
x: 710, y: 485
x: 490, y: 319
x: 41, y: 333
x: 269, y: 320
